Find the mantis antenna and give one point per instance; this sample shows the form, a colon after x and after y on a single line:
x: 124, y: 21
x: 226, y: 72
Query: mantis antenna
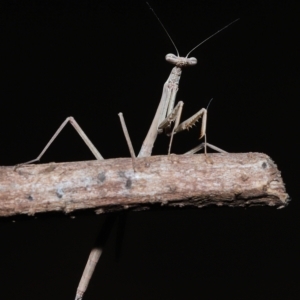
x: 166, y: 31
x: 162, y: 25
x: 211, y: 36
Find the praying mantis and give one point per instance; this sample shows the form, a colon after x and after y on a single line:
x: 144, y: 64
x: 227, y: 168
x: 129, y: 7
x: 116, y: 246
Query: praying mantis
x: 165, y: 114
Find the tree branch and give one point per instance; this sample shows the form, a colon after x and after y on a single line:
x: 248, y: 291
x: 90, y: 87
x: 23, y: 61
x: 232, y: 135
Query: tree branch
x: 244, y: 179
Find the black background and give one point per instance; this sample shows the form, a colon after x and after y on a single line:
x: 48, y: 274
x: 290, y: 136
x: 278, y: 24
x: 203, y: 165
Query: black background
x: 93, y: 59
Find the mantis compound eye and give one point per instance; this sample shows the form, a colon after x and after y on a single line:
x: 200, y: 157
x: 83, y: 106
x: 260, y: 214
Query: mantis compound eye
x: 191, y: 61
x: 172, y: 58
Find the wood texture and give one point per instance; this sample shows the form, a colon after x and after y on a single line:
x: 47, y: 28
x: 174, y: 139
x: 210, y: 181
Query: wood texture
x: 243, y: 179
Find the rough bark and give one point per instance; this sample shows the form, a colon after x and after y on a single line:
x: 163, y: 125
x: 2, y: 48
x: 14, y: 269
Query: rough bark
x: 244, y: 179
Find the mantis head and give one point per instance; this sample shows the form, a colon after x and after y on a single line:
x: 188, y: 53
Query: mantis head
x: 181, y: 61
x: 184, y: 61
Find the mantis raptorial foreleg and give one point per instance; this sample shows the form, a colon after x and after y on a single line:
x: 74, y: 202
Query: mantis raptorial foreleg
x: 174, y: 116
x: 186, y: 125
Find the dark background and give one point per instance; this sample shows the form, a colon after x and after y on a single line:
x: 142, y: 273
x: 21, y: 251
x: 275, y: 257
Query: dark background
x: 93, y: 59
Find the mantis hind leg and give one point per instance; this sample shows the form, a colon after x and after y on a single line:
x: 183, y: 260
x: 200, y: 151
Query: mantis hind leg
x: 80, y: 132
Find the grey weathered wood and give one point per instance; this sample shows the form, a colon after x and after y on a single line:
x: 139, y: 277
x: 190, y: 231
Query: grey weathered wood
x: 243, y: 179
